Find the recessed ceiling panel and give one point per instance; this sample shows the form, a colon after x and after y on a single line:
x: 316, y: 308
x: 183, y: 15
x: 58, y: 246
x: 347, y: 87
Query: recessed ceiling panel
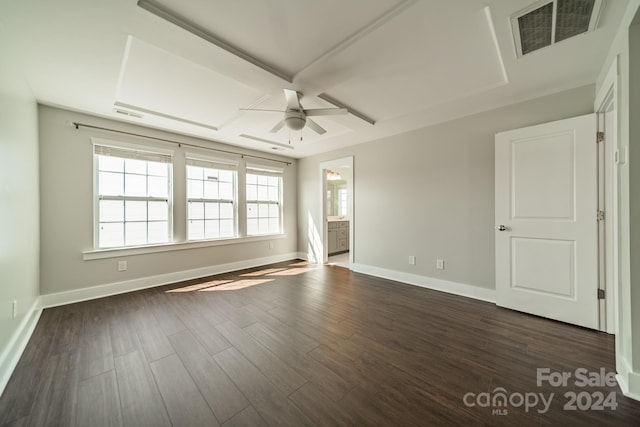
x: 155, y: 80
x: 285, y: 34
x: 414, y: 61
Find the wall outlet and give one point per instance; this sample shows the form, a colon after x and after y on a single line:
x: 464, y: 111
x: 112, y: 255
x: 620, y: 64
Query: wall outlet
x: 122, y: 265
x: 271, y: 245
x: 412, y: 260
x: 440, y: 264
x: 14, y: 308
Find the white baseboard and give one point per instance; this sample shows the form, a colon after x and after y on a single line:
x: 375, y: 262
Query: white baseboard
x: 84, y: 294
x: 455, y: 288
x: 18, y: 342
x: 303, y: 256
x: 628, y: 380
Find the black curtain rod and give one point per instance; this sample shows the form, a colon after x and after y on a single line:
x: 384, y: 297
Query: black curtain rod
x: 78, y: 125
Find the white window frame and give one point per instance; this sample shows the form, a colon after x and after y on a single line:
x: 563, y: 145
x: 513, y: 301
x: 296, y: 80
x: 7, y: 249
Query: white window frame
x: 218, y: 164
x: 258, y: 169
x: 140, y: 152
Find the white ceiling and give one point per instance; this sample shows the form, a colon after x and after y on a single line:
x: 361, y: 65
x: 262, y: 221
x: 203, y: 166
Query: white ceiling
x: 403, y: 64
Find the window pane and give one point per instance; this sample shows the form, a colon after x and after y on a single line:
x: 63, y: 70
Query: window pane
x: 211, y: 175
x: 158, y: 169
x: 252, y: 192
x: 225, y: 176
x: 111, y: 235
x: 194, y: 189
x: 274, y: 194
x: 274, y: 225
x: 211, y: 211
x: 274, y: 211
x: 158, y: 186
x: 110, y: 184
x: 108, y: 163
x: 135, y: 211
x: 135, y: 166
x: 135, y: 233
x: 135, y: 185
x: 211, y: 189
x: 158, y: 232
x: 273, y: 181
x: 252, y: 210
x: 263, y: 192
x: 211, y: 230
x: 263, y: 180
x: 263, y: 210
x: 111, y: 210
x: 226, y: 210
x: 196, y: 210
x: 196, y: 230
x: 252, y: 179
x: 194, y: 172
x: 252, y: 226
x: 158, y: 211
x: 263, y: 225
x: 226, y: 191
x: 226, y: 228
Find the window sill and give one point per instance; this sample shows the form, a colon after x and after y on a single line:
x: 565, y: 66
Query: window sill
x: 168, y: 247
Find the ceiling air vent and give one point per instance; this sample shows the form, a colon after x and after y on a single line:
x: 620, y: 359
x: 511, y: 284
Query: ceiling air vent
x: 548, y: 22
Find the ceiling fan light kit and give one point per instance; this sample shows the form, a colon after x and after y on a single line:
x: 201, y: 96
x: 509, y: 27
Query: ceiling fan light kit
x: 295, y: 120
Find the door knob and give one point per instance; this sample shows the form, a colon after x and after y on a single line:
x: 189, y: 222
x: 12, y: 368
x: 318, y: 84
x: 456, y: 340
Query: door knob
x: 501, y: 228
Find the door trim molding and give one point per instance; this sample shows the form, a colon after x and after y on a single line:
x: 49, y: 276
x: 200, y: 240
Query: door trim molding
x: 344, y: 162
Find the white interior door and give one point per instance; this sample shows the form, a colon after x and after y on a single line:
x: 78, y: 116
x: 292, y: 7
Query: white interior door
x: 546, y: 220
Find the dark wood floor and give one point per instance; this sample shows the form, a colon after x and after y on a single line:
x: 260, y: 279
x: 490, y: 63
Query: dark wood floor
x: 293, y: 345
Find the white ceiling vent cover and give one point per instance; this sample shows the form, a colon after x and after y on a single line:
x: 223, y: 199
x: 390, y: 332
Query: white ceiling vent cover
x: 548, y: 22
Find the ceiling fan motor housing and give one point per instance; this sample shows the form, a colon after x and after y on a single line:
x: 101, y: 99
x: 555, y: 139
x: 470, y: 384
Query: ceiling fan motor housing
x: 295, y: 120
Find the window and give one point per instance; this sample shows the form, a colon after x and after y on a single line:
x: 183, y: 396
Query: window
x: 211, y: 200
x: 264, y: 200
x: 133, y: 197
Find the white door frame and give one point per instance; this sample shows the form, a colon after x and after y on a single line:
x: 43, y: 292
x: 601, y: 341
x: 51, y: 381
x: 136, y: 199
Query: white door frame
x: 606, y: 101
x: 345, y: 162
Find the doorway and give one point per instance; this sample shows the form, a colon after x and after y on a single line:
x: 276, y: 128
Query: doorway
x: 337, y: 212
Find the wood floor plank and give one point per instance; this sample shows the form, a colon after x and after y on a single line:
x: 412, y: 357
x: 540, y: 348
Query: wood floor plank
x: 155, y: 343
x: 222, y: 395
x: 141, y: 401
x: 183, y: 400
x: 247, y: 418
x: 270, y: 403
x: 20, y: 394
x: 330, y: 383
x: 56, y: 401
x: 324, y: 411
x: 124, y: 338
x: 99, y: 402
x: 278, y: 372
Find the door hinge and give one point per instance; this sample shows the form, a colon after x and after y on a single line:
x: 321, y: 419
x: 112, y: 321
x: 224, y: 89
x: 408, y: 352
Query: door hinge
x: 599, y: 136
x: 600, y: 216
x: 600, y: 293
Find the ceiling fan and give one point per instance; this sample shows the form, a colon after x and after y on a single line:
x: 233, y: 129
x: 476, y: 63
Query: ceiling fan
x: 296, y: 117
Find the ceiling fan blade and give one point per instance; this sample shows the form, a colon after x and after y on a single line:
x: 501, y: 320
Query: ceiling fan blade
x: 277, y: 127
x: 316, y: 127
x: 326, y: 111
x: 260, y: 110
x: 293, y: 100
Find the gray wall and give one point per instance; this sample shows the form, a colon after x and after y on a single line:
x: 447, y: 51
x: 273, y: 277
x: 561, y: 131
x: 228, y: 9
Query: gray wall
x: 430, y: 192
x: 66, y: 177
x: 19, y: 233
